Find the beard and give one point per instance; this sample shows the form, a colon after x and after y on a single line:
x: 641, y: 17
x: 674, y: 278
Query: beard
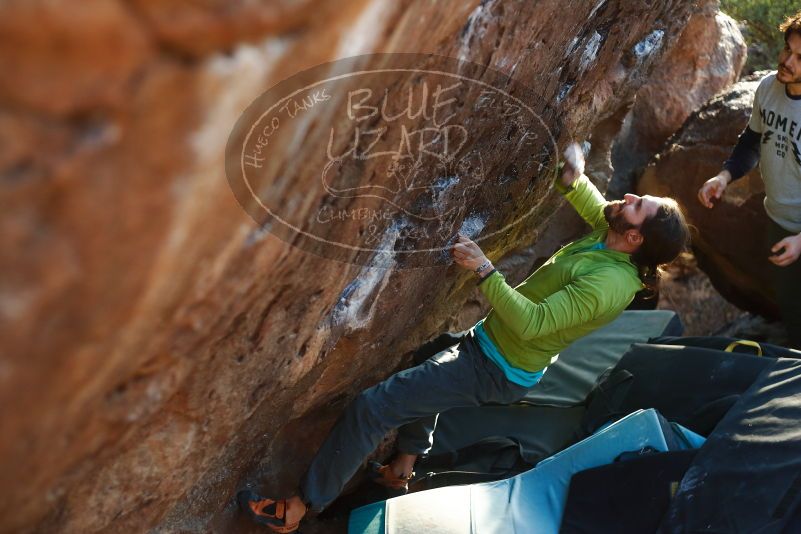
x: 614, y: 216
x: 784, y: 76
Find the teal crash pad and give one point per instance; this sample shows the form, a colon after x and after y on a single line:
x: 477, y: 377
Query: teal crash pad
x: 530, y: 502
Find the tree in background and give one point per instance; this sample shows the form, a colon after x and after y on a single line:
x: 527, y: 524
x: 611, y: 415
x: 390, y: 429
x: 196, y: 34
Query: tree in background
x: 759, y: 20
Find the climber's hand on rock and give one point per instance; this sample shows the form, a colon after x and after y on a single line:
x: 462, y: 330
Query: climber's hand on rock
x: 467, y: 254
x: 573, y: 164
x: 713, y: 189
x: 792, y: 249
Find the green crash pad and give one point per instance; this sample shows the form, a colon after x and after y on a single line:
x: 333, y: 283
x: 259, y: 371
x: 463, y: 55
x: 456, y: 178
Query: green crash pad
x: 570, y: 378
x: 551, y: 415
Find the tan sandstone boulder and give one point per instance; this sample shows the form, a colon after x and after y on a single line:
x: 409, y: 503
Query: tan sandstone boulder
x: 159, y: 348
x: 706, y: 59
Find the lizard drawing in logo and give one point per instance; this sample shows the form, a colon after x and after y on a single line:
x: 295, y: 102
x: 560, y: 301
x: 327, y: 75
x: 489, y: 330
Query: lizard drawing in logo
x: 429, y: 180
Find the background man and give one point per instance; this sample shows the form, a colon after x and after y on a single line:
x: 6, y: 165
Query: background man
x: 776, y: 122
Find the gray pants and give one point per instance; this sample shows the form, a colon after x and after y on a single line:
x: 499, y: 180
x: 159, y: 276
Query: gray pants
x: 460, y: 376
x: 787, y: 285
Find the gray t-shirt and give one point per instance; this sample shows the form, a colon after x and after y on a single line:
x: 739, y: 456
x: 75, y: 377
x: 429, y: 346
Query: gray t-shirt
x: 777, y: 117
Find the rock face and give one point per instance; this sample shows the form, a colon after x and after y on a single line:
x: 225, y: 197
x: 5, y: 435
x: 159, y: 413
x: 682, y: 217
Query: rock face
x: 729, y: 237
x: 706, y: 59
x: 159, y: 349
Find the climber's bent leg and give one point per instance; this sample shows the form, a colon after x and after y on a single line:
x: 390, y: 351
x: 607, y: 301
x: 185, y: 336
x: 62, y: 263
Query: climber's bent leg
x: 457, y: 377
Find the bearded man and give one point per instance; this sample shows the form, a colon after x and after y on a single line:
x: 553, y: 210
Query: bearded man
x: 772, y: 139
x: 582, y: 287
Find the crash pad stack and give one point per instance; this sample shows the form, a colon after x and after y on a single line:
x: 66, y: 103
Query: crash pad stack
x: 535, y: 497
x: 747, y: 477
x: 745, y: 396
x: 673, y: 435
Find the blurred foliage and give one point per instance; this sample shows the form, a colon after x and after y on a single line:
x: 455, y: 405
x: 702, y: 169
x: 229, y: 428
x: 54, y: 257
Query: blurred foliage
x: 760, y: 21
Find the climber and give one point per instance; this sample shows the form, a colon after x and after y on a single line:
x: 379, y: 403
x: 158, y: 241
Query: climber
x: 583, y: 286
x: 772, y: 139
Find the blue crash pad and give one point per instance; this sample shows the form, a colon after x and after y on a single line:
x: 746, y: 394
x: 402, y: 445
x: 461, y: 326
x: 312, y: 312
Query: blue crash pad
x: 530, y: 502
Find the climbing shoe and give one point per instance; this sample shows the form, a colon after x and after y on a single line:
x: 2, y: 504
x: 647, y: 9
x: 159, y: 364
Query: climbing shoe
x: 269, y: 512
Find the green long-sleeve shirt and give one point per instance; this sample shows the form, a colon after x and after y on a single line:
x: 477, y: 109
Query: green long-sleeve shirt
x: 575, y: 292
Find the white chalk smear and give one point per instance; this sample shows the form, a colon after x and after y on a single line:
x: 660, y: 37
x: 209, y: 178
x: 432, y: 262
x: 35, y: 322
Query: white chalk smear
x: 472, y: 226
x: 358, y: 300
x: 563, y: 92
x: 575, y: 157
x: 590, y: 50
x: 649, y: 44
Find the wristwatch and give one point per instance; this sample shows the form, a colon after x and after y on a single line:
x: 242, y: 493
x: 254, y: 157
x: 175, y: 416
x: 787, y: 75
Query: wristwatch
x: 483, y: 266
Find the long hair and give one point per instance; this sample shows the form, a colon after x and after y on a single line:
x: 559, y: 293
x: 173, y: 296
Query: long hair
x: 665, y: 236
